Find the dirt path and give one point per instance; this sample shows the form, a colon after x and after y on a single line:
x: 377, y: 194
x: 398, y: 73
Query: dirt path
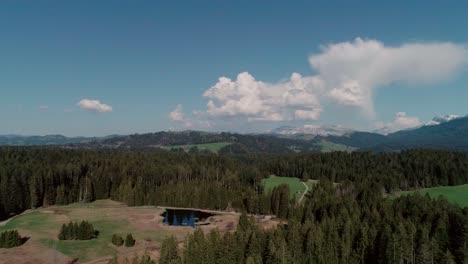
x: 304, y: 193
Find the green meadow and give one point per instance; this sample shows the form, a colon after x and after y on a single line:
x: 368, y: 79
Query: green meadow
x: 296, y: 186
x: 454, y: 194
x: 107, y: 217
x: 213, y: 147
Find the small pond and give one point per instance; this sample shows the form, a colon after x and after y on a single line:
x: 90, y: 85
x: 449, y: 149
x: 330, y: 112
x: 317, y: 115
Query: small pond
x: 184, y: 217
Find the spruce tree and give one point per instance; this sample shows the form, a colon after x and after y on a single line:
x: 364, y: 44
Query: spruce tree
x: 169, y: 252
x: 129, y: 241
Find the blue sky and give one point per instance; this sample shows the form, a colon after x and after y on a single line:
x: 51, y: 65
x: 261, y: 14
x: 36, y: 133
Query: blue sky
x: 144, y: 58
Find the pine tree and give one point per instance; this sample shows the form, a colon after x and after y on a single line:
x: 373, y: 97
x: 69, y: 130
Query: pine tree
x: 34, y: 192
x: 169, y: 252
x: 10, y: 239
x: 129, y: 241
x: 62, y: 233
x: 117, y: 240
x: 60, y: 199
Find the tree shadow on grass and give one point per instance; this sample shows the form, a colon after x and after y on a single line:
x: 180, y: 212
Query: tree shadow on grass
x: 24, y: 240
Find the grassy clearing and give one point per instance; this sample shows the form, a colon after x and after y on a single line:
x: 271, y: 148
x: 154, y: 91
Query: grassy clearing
x: 454, y: 194
x: 296, y: 186
x: 107, y: 217
x: 213, y: 147
x: 327, y: 146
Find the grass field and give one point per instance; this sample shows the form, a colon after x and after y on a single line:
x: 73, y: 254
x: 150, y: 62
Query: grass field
x: 454, y: 194
x: 213, y: 147
x: 327, y: 146
x: 296, y: 186
x: 107, y: 217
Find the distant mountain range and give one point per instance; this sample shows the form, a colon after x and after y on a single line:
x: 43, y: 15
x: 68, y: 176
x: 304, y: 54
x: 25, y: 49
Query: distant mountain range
x: 48, y: 140
x: 446, y: 132
x: 442, y: 119
x: 450, y: 135
x: 231, y: 143
x: 315, y: 130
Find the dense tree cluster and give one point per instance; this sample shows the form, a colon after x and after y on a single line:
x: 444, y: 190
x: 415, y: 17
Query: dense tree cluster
x: 34, y: 177
x: 339, y: 225
x: 351, y: 222
x: 75, y: 231
x: 280, y: 201
x: 169, y: 251
x: 10, y: 238
x: 405, y: 170
x: 31, y: 177
x: 239, y: 144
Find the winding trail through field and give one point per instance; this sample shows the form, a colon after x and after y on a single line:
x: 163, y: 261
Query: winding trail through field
x: 304, y: 193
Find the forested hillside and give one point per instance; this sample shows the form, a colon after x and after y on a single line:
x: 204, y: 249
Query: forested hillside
x: 33, y: 177
x: 339, y: 225
x: 238, y: 143
x: 352, y: 222
x: 450, y: 135
x: 48, y: 140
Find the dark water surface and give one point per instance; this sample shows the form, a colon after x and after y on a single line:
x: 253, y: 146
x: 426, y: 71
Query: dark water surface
x: 184, y: 217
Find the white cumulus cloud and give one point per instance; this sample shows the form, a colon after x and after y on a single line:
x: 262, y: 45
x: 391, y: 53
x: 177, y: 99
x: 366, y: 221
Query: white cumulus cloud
x: 177, y: 114
x: 255, y: 100
x: 94, y: 106
x: 352, y: 71
x: 401, y: 121
x: 347, y: 74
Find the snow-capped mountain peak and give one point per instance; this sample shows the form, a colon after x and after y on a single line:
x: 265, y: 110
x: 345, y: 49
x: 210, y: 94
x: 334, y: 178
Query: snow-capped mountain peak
x: 315, y: 130
x: 442, y: 119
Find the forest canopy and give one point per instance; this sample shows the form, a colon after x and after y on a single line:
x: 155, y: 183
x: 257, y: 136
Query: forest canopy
x: 351, y: 221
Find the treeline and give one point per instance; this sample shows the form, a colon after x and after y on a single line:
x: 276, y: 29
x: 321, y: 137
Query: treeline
x: 240, y: 144
x: 35, y: 177
x: 10, y: 238
x: 405, y: 170
x: 340, y: 224
x: 32, y: 177
x: 75, y: 231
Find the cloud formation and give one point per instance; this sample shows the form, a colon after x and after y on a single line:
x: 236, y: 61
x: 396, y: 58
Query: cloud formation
x: 255, y: 100
x: 94, y: 106
x: 347, y: 74
x: 400, y: 122
x: 352, y: 71
x: 177, y: 114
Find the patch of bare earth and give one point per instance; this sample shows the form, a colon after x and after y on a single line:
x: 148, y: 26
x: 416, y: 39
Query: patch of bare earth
x: 152, y: 219
x: 142, y: 220
x: 32, y: 252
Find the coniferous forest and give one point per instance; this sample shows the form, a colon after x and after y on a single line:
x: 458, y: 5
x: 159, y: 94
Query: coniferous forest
x: 352, y: 222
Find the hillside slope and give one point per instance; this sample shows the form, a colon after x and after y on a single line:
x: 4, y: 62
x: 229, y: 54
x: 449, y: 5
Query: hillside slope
x: 452, y: 135
x: 232, y: 143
